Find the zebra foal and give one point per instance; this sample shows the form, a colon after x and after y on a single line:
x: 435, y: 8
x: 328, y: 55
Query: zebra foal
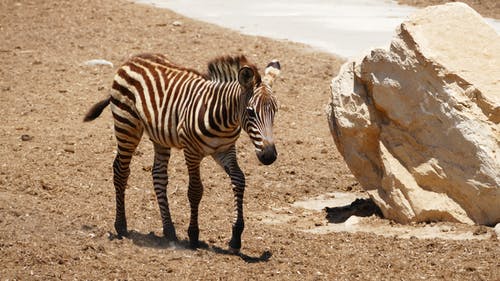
x: 202, y: 114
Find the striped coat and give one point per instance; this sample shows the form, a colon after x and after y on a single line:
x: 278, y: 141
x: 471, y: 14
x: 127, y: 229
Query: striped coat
x: 203, y: 114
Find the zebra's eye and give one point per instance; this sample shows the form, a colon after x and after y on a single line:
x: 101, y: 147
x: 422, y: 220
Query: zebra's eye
x: 251, y: 112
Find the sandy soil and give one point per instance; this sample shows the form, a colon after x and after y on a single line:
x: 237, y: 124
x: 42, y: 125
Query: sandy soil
x: 487, y: 8
x: 56, y: 194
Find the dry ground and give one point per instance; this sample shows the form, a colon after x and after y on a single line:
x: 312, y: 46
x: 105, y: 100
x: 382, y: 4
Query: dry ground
x: 56, y: 194
x: 487, y: 8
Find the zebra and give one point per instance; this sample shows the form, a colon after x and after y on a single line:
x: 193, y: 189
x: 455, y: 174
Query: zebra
x: 201, y: 114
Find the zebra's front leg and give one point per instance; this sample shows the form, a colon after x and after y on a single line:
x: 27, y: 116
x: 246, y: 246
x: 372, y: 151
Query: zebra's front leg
x: 230, y: 164
x: 239, y: 222
x: 195, y: 192
x: 160, y: 182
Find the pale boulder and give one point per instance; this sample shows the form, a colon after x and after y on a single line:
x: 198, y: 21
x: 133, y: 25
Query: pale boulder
x: 418, y: 124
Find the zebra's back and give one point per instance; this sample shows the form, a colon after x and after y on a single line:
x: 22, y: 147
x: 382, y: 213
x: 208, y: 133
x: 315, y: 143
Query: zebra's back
x: 176, y: 106
x: 156, y: 92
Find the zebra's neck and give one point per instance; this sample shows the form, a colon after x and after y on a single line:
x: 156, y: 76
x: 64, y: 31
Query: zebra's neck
x: 229, y: 104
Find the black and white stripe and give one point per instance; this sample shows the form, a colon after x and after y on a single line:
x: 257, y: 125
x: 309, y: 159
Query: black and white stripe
x: 203, y: 114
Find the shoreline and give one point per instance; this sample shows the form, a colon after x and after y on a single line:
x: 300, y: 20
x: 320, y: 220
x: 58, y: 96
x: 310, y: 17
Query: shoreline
x: 343, y: 29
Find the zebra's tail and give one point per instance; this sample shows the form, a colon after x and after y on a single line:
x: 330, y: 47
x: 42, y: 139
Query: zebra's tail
x: 96, y: 110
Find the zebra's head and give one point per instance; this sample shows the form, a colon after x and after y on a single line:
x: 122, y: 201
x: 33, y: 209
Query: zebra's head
x: 260, y: 108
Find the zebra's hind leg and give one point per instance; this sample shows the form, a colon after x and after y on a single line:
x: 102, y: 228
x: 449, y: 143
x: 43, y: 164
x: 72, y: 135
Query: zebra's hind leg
x: 195, y: 192
x: 230, y: 164
x: 128, y: 135
x: 121, y: 171
x: 160, y: 182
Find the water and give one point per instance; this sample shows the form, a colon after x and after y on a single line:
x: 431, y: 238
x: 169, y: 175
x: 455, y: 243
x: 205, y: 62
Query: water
x: 343, y: 27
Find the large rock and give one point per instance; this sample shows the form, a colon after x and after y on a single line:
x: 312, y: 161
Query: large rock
x: 418, y: 124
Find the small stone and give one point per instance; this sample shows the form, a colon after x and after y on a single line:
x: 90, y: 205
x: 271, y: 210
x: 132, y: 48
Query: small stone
x: 98, y: 62
x: 26, y: 137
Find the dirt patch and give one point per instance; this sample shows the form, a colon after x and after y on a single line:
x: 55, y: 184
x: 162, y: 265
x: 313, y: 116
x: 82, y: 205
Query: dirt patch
x: 350, y: 212
x: 56, y: 192
x: 487, y: 8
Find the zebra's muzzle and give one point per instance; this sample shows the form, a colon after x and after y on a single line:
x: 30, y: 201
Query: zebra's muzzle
x: 268, y: 155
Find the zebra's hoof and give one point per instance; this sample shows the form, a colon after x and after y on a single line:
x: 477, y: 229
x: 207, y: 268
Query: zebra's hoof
x: 194, y: 234
x: 121, y: 234
x: 170, y: 236
x: 235, y: 244
x: 172, y: 239
x: 233, y: 251
x: 121, y: 231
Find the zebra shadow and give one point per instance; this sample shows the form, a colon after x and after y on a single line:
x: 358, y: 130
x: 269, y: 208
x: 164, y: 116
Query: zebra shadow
x: 151, y: 240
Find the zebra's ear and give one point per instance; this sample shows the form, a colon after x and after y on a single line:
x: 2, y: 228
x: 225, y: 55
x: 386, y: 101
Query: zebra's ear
x: 272, y: 71
x: 245, y: 76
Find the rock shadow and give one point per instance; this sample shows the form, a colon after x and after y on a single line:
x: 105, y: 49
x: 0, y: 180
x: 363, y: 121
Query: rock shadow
x: 360, y: 207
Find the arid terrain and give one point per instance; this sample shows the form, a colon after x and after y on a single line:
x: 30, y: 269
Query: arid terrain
x: 487, y: 8
x: 57, y: 201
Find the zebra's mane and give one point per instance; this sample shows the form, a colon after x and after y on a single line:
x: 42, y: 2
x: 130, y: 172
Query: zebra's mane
x: 225, y: 69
